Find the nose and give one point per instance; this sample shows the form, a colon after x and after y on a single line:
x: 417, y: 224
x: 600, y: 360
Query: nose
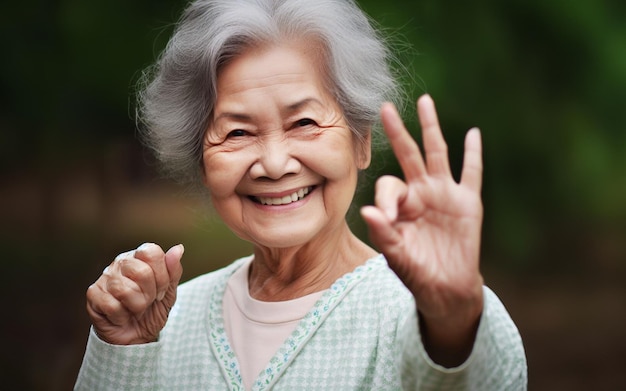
x: 276, y: 159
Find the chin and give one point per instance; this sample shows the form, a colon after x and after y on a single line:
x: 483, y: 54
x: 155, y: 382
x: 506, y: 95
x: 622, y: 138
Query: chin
x: 283, y: 236
x: 284, y: 242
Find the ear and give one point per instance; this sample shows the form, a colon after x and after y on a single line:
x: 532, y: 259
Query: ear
x: 364, y: 151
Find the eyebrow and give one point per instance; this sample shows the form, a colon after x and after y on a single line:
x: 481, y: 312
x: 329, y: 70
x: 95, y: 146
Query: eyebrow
x: 288, y: 109
x: 301, y: 103
x: 234, y: 116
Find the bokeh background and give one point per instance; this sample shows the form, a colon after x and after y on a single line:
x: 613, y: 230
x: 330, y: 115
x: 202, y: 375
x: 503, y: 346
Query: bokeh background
x: 545, y: 81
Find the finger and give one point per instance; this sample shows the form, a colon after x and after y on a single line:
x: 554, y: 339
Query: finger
x: 389, y: 194
x: 174, y: 267
x: 382, y: 234
x: 142, y: 277
x: 131, y: 281
x: 154, y: 257
x: 130, y: 294
x: 404, y: 147
x: 472, y: 174
x: 103, y: 307
x: 435, y: 146
x: 114, y: 266
x: 175, y: 272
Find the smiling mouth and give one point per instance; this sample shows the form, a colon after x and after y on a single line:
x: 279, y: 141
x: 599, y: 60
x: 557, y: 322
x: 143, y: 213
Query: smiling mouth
x: 288, y: 199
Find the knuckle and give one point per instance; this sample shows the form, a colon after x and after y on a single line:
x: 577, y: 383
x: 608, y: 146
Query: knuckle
x: 385, y: 182
x: 384, y: 178
x: 125, y: 298
x: 107, y: 305
x: 93, y: 292
x: 138, y: 271
x: 123, y: 256
x: 129, y: 288
x: 116, y: 288
x: 149, y: 252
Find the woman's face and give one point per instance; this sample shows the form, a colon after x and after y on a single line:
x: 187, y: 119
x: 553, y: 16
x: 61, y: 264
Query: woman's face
x: 279, y: 160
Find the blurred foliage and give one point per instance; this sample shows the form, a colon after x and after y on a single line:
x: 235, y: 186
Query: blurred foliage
x: 544, y: 80
x: 546, y: 83
x: 67, y: 73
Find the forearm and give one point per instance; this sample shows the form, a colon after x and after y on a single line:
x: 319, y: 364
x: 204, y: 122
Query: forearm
x: 448, y: 348
x: 449, y: 340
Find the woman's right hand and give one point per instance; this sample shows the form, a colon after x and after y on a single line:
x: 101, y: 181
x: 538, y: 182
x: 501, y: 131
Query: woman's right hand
x: 130, y: 302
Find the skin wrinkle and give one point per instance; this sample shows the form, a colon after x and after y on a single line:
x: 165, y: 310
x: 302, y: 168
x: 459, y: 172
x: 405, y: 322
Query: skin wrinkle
x: 290, y: 280
x: 427, y: 226
x: 266, y: 94
x: 300, y: 109
x: 174, y: 87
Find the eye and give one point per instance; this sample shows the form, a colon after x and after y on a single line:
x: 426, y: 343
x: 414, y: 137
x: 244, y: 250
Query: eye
x: 305, y: 122
x: 236, y: 133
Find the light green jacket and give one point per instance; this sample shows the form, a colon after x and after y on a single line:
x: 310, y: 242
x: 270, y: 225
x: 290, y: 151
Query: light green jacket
x: 361, y: 335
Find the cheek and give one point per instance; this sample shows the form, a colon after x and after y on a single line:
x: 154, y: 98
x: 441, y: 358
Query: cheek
x: 333, y: 161
x: 222, y: 173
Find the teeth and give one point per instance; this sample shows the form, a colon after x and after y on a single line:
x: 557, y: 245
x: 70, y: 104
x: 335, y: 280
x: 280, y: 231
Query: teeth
x: 295, y: 196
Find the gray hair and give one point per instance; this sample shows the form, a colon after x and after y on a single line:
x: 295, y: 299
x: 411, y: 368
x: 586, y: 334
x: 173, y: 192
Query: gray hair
x: 178, y: 93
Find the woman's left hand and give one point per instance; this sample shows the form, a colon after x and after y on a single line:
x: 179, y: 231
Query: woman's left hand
x: 429, y: 227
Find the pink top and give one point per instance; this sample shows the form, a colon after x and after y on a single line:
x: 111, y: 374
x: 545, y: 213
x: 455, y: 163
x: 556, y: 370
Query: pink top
x: 256, y: 329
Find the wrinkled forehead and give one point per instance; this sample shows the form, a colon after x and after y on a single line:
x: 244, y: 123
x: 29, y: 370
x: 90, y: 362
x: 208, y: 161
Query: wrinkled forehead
x: 292, y: 67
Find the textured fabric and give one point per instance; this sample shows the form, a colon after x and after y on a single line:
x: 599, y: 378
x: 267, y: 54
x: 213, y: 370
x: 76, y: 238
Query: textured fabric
x: 256, y: 329
x: 361, y: 335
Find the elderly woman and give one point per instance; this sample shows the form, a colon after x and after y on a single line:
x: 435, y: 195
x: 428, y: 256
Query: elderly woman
x: 272, y: 105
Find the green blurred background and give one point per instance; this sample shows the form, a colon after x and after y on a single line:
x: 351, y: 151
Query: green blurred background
x: 545, y: 81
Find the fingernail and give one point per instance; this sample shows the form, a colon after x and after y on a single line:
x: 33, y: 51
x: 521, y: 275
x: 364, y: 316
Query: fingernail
x: 161, y: 296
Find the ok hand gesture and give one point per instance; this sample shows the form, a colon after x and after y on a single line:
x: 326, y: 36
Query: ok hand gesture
x: 428, y: 227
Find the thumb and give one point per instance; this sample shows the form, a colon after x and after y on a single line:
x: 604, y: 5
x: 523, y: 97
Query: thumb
x: 172, y: 262
x: 381, y: 231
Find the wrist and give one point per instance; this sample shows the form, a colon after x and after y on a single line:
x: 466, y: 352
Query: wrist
x: 449, y: 340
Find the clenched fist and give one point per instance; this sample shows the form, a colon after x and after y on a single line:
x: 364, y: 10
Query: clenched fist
x: 130, y: 302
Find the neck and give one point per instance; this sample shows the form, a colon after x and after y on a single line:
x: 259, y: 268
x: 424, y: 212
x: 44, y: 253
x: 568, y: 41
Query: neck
x: 279, y: 274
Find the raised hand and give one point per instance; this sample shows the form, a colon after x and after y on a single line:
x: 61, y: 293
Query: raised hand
x: 130, y: 302
x: 428, y: 227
